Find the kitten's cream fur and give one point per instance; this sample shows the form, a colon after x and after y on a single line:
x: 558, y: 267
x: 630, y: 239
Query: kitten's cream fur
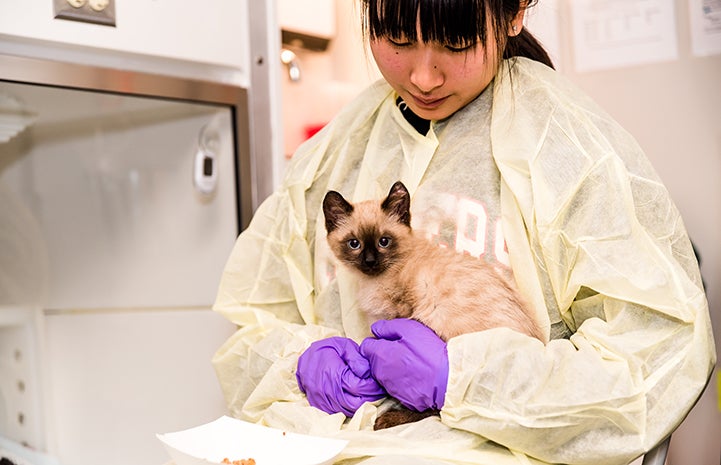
x: 403, y: 275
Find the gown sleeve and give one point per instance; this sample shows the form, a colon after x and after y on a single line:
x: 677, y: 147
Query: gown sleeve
x: 268, y: 287
x: 601, y: 226
x: 267, y: 290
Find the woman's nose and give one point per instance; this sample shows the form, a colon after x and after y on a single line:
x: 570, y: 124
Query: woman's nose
x: 426, y: 73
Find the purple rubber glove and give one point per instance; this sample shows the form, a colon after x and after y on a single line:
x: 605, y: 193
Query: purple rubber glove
x: 410, y: 361
x: 335, y: 377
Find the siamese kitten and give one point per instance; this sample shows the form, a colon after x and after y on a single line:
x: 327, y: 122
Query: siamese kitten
x: 403, y: 275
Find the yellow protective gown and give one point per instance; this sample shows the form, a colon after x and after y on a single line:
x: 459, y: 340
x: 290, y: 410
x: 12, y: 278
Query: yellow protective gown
x: 593, y: 239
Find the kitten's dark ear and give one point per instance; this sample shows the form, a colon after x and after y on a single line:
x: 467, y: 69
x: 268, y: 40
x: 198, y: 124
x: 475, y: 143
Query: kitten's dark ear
x: 398, y: 203
x: 335, y: 209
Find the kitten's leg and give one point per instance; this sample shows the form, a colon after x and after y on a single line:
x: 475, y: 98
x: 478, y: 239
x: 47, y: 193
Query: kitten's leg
x: 400, y: 416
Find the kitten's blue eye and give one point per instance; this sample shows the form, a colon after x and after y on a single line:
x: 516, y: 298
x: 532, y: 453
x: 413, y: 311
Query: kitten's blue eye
x: 384, y: 242
x: 354, y: 244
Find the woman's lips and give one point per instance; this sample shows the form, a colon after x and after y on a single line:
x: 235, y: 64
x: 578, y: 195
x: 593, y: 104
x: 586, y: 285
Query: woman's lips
x: 427, y: 103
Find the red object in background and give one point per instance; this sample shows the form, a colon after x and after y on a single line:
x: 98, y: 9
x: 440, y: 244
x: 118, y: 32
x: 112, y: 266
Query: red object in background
x: 308, y: 131
x: 311, y: 129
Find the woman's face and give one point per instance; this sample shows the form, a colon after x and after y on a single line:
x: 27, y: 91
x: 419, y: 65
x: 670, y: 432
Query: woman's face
x: 435, y: 80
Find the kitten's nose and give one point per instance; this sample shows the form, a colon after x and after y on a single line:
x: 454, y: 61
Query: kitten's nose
x: 370, y: 260
x: 369, y: 257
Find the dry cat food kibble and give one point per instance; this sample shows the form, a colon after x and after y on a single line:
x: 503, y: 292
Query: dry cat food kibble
x: 239, y: 462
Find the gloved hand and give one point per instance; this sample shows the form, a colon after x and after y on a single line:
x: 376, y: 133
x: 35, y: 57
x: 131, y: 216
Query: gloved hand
x: 335, y: 377
x: 410, y: 361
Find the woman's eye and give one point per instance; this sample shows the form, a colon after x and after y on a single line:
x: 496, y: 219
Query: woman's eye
x: 459, y: 48
x: 384, y: 242
x: 354, y: 244
x: 399, y: 42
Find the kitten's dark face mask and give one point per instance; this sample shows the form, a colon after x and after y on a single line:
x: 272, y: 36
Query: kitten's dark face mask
x: 370, y: 252
x: 368, y: 246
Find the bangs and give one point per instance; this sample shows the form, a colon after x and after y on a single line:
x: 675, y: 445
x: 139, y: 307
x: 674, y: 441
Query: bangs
x: 451, y: 22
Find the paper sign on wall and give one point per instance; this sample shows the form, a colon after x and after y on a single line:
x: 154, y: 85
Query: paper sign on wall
x: 705, y: 26
x: 617, y: 33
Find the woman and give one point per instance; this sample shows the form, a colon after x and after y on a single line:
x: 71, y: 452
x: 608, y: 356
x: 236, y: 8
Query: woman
x: 506, y: 161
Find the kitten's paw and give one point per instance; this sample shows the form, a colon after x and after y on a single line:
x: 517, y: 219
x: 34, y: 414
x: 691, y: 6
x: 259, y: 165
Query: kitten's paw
x: 400, y: 416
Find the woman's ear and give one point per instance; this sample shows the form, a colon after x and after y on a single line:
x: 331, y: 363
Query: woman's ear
x: 516, y: 24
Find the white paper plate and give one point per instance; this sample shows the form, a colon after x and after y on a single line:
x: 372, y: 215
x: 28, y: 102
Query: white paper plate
x: 236, y: 440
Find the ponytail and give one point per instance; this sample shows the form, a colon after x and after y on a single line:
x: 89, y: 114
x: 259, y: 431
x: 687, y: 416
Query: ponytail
x: 525, y: 45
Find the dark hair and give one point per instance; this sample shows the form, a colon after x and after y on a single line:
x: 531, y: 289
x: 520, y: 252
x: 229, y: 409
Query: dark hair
x: 453, y: 22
